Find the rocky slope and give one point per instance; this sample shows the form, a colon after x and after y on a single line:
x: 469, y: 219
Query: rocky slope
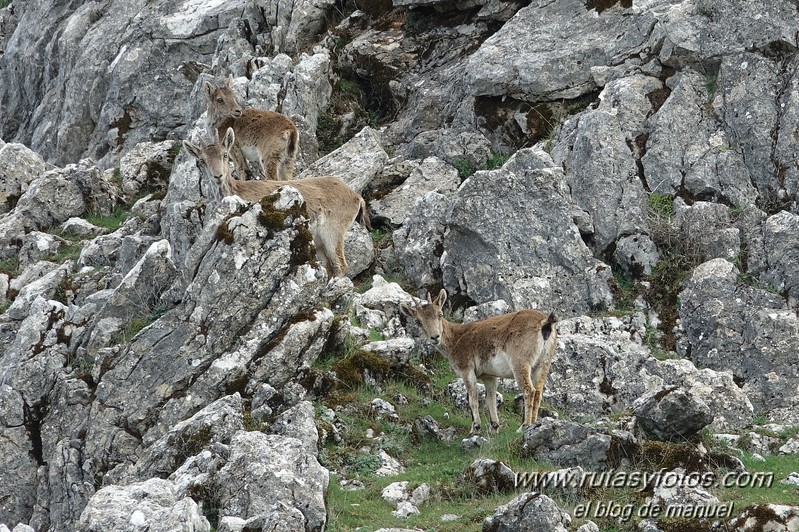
x: 630, y: 165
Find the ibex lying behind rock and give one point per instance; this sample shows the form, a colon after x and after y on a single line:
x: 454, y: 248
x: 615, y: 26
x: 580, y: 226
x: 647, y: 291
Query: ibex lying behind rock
x: 332, y: 205
x: 519, y: 345
x: 265, y: 137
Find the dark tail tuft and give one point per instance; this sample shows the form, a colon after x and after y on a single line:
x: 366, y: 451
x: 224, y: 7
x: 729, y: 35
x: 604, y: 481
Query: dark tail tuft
x: 294, y: 143
x: 546, y: 328
x: 363, y: 216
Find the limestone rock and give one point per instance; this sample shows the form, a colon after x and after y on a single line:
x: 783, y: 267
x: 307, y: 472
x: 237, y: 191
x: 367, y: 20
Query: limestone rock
x: 767, y: 516
x: 267, y: 469
x: 356, y: 163
x: 490, y: 476
x: 419, y: 242
x: 672, y: 414
x: 569, y: 444
x: 431, y: 175
x: 528, y: 511
x: 154, y: 504
x: 742, y: 329
x: 19, y: 165
x: 525, y: 259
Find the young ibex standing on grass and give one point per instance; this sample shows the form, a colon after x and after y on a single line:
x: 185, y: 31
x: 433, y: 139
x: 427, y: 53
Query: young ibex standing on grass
x: 519, y: 345
x: 265, y: 137
x: 332, y: 205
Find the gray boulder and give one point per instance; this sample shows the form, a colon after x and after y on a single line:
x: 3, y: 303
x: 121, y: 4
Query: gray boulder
x: 522, y: 58
x: 672, y: 414
x: 419, y: 242
x: 431, y: 175
x: 357, y: 162
x: 601, y: 163
x: 19, y: 165
x: 359, y: 249
x: 637, y: 255
x: 568, y: 444
x: 154, y: 504
x: 528, y: 511
x: 46, y: 287
x: 38, y: 246
x: 733, y: 327
x: 603, y: 366
x: 535, y: 257
x: 298, y: 422
x: 490, y: 476
x: 708, y: 168
x: 216, y: 423
x: 775, y: 268
x: 267, y: 469
x: 146, y: 167
x: 767, y: 517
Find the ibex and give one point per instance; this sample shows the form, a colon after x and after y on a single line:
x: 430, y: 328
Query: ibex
x: 332, y: 205
x: 265, y: 137
x: 520, y: 345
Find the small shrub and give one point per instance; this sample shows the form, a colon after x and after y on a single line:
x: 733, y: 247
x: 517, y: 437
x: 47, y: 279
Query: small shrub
x: 464, y: 167
x: 497, y: 160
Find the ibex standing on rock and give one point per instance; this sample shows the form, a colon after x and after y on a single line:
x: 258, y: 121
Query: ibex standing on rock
x: 268, y: 138
x: 519, y: 345
x: 332, y: 205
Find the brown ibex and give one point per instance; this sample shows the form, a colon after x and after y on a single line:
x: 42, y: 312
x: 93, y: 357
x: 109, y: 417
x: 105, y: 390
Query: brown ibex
x: 331, y: 204
x: 268, y: 138
x: 519, y: 345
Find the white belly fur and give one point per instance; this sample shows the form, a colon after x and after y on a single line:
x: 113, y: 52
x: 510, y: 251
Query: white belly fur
x: 498, y: 366
x: 251, y: 153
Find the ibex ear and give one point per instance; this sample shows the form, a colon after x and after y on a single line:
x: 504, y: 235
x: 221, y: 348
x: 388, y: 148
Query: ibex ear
x: 209, y: 90
x: 442, y: 297
x: 194, y: 150
x: 229, y: 81
x: 407, y: 310
x: 429, y: 299
x: 230, y: 138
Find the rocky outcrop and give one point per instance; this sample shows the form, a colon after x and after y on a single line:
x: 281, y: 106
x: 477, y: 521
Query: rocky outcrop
x: 528, y: 511
x: 630, y: 166
x: 511, y: 237
x: 742, y: 329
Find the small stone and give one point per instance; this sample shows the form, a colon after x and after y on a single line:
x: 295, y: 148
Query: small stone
x: 791, y: 480
x: 404, y: 510
x: 473, y: 442
x: 395, y: 493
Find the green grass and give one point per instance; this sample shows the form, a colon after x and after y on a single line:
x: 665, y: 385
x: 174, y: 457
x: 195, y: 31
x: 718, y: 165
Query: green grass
x: 10, y: 266
x: 70, y: 252
x: 661, y: 204
x: 113, y: 221
x: 4, y: 3
x: 440, y: 464
x: 776, y: 493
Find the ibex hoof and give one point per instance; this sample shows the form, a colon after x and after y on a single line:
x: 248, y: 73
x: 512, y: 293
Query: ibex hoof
x: 475, y: 429
x: 494, y: 426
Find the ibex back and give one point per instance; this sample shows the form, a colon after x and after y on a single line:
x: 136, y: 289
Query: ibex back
x: 332, y: 205
x: 265, y: 137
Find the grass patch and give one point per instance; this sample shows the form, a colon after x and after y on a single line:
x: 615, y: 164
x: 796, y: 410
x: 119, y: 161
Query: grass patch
x: 680, y: 254
x: 10, y: 266
x: 4, y: 3
x: 71, y: 252
x: 112, y: 221
x: 771, y: 492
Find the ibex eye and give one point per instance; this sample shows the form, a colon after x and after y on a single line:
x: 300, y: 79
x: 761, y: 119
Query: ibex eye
x: 219, y: 100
